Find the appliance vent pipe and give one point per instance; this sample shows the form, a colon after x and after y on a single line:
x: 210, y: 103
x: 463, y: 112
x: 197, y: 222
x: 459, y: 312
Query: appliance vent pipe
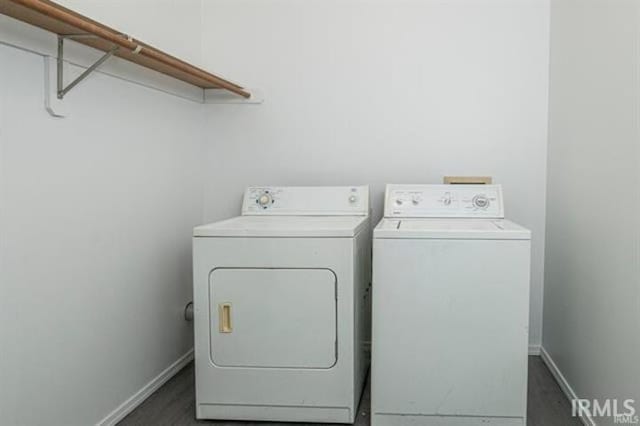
x: 188, y: 312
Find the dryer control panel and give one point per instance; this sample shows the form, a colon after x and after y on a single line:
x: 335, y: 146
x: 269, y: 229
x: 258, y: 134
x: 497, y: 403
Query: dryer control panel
x: 306, y: 200
x: 481, y: 201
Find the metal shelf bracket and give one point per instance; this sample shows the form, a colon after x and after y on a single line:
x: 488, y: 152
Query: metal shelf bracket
x: 61, y: 89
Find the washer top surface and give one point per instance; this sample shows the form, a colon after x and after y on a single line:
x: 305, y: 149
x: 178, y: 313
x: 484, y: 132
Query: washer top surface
x: 284, y: 226
x: 482, y: 229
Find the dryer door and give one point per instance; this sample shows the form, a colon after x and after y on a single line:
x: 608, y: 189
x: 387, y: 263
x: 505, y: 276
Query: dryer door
x: 273, y: 318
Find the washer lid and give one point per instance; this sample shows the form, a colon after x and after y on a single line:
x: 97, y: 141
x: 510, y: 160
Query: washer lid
x: 482, y: 229
x: 284, y: 226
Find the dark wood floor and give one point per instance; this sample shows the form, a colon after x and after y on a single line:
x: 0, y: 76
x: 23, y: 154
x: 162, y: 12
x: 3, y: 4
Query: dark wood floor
x: 174, y: 403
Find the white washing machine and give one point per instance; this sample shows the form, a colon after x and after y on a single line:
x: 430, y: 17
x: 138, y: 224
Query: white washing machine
x: 450, y: 309
x: 280, y: 306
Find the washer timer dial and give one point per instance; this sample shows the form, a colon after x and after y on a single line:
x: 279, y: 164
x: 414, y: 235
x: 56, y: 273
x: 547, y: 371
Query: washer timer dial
x: 481, y: 201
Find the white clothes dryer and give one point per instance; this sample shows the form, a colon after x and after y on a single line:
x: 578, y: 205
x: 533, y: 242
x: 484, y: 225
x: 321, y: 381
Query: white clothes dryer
x: 280, y: 306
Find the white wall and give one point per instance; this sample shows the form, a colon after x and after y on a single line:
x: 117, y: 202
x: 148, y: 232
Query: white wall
x: 381, y: 91
x: 592, y: 296
x: 96, y: 212
x: 96, y: 209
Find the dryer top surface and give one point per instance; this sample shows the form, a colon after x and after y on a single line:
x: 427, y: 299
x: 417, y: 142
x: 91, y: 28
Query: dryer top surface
x: 284, y: 226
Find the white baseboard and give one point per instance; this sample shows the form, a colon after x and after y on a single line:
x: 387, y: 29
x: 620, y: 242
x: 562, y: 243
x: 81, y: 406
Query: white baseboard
x: 138, y: 398
x: 564, y: 384
x: 534, y: 350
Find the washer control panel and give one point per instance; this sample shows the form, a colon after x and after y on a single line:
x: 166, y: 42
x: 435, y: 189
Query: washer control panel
x: 484, y: 201
x: 306, y: 200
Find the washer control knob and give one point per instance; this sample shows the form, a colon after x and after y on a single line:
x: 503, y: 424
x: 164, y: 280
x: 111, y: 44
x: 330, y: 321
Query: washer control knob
x: 415, y: 201
x: 398, y: 202
x: 265, y: 199
x: 353, y: 199
x: 447, y: 199
x: 481, y: 201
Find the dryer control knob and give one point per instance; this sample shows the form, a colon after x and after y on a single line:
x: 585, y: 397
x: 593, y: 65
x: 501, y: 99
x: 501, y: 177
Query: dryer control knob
x: 353, y: 199
x: 399, y: 202
x: 264, y: 200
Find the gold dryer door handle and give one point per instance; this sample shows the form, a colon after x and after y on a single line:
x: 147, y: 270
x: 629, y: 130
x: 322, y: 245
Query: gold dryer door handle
x: 224, y: 320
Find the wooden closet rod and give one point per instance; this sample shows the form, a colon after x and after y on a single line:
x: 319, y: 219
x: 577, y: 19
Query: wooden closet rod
x: 68, y: 17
